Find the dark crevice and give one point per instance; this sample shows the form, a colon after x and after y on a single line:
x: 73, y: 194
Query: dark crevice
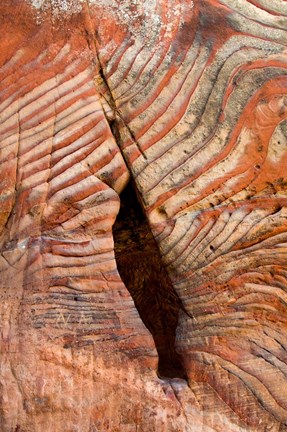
x: 118, y: 120
x: 141, y: 269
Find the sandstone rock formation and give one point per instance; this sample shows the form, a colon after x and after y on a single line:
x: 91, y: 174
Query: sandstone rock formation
x: 188, y: 99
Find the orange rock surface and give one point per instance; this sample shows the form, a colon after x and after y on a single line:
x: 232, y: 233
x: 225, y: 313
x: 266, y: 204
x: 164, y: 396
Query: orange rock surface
x: 188, y: 99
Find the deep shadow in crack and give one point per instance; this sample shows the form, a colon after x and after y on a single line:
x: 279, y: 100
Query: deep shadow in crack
x: 141, y: 269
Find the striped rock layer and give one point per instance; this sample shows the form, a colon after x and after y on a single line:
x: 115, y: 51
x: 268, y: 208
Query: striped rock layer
x: 189, y: 98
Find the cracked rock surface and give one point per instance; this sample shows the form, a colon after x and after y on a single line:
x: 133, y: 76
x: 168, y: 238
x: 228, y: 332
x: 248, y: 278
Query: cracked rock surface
x: 164, y: 310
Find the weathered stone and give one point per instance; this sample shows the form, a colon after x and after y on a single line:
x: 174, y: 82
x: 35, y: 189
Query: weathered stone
x: 189, y: 98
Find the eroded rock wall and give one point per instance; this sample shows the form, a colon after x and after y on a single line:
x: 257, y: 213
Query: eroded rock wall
x: 189, y: 99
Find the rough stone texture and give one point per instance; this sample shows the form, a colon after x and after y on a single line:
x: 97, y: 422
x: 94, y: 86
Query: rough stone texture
x: 190, y: 97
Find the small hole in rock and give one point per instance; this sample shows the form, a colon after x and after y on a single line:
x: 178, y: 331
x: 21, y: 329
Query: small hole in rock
x: 140, y: 267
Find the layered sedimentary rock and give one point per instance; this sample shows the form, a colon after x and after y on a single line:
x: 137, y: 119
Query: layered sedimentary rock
x: 188, y: 98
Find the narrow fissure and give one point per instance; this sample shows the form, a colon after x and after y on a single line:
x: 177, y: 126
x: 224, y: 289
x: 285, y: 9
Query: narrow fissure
x: 141, y: 269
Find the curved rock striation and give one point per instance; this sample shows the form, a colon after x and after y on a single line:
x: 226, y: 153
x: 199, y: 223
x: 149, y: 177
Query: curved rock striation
x: 190, y: 99
x: 66, y: 317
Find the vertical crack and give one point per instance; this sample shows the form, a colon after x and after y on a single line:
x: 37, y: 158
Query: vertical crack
x: 101, y: 81
x: 144, y: 275
x: 137, y: 255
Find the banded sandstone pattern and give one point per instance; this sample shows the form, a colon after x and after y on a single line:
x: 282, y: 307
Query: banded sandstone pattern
x: 197, y: 91
x: 205, y: 97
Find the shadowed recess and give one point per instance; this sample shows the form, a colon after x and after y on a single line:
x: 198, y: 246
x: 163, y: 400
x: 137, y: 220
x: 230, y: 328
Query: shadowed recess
x: 141, y: 270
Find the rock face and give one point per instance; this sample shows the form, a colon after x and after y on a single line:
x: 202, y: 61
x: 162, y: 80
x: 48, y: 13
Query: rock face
x: 189, y: 99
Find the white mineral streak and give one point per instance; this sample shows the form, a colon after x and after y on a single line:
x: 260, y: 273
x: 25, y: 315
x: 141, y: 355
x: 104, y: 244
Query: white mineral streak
x: 58, y: 7
x: 128, y: 12
x: 38, y: 3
